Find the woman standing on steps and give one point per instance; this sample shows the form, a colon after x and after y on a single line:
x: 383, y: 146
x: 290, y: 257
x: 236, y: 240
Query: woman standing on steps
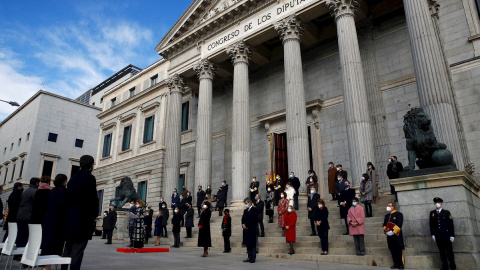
x: 282, y: 209
x: 204, y: 236
x: 366, y: 196
x: 290, y: 220
x: 321, y: 219
x: 158, y: 227
x: 373, y: 175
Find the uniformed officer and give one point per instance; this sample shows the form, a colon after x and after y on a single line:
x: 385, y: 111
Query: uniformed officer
x: 392, y: 226
x: 254, y: 188
x: 441, y: 228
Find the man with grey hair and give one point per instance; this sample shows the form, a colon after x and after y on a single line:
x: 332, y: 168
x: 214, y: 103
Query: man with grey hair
x: 249, y: 226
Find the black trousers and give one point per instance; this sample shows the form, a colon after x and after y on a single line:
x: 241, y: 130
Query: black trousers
x: 252, y: 196
x: 226, y: 243
x: 164, y: 230
x: 295, y: 200
x: 368, y: 209
x: 252, y: 252
x: 189, y: 231
x: 261, y: 228
x: 22, y: 234
x: 334, y: 196
x: 75, y: 251
x: 176, y: 239
x: 446, y: 252
x: 396, y: 250
x: 220, y: 211
x: 109, y: 235
x: 313, y: 225
x: 392, y: 190
x: 199, y: 209
x: 323, y: 235
x: 346, y: 225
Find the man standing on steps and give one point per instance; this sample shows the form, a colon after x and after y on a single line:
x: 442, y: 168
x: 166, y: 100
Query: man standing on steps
x: 392, y: 226
x: 222, y: 198
x: 249, y: 226
x: 345, y: 201
x: 393, y: 172
x: 254, y: 188
x: 313, y: 199
x: 260, y: 205
x: 200, y: 198
x: 332, y: 177
x: 443, y: 233
x: 296, y: 185
x: 339, y: 188
x: 341, y: 172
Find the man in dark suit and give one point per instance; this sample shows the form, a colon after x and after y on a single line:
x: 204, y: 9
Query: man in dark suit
x: 443, y: 233
x: 393, y: 172
x: 260, y: 205
x: 339, y: 187
x: 296, y: 185
x: 254, y: 188
x: 313, y: 199
x: 200, y: 198
x: 13, y: 205
x: 340, y: 171
x: 345, y: 202
x: 82, y: 210
x: 392, y: 226
x: 182, y: 207
x: 249, y: 226
x: 176, y: 220
x: 148, y: 220
x: 222, y: 198
x: 109, y: 224
x: 279, y: 187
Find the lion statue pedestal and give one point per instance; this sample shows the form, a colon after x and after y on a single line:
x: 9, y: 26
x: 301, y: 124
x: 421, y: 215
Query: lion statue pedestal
x: 423, y: 148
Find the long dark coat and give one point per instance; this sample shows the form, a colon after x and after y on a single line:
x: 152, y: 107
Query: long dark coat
x: 13, y: 205
x: 250, y: 220
x: 26, y: 204
x: 158, y: 226
x: 322, y: 215
x: 227, y: 226
x: 110, y: 220
x: 260, y: 205
x: 139, y: 225
x: 166, y: 215
x: 204, y: 235
x: 53, y: 229
x: 222, y: 197
x: 82, y: 207
x: 189, y: 218
x: 176, y: 219
x: 40, y: 205
x: 346, y: 196
x: 312, y: 203
x: 200, y: 197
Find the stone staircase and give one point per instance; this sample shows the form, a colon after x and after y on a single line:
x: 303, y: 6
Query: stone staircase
x: 341, y: 247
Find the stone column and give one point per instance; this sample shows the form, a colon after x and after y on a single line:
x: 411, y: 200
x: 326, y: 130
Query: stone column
x: 434, y: 92
x: 163, y: 120
x: 240, y: 54
x: 173, y: 135
x: 203, y: 147
x: 357, y: 117
x: 296, y: 114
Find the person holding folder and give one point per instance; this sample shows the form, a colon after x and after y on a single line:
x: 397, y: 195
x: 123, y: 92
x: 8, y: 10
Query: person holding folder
x: 392, y: 226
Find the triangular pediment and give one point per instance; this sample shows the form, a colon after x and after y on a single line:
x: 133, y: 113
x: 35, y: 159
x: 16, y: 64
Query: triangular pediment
x: 200, y: 12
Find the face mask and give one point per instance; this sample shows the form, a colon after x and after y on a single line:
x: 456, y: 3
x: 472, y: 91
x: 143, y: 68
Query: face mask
x: 390, y: 160
x: 389, y: 209
x: 437, y: 205
x: 247, y: 206
x: 176, y: 211
x: 278, y: 177
x: 320, y: 205
x: 289, y: 210
x: 354, y: 203
x: 345, y: 185
x: 188, y: 194
x: 105, y: 214
x: 338, y: 169
x: 181, y: 198
x: 311, y: 174
x: 163, y: 206
x: 225, y: 213
x: 340, y: 179
x: 253, y: 180
x: 223, y: 184
x: 205, y: 206
x: 370, y: 167
x: 282, y: 196
x: 208, y: 187
x: 269, y: 189
x: 158, y: 213
x: 291, y: 176
x: 363, y: 178
x: 131, y: 205
x: 138, y: 205
x: 161, y: 200
x: 329, y: 166
x: 312, y: 191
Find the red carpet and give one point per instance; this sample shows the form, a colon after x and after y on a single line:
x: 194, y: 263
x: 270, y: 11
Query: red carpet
x: 142, y: 250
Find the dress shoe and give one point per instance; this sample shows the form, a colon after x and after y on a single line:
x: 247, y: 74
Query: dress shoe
x: 252, y: 261
x: 346, y: 233
x: 108, y: 243
x: 313, y: 234
x: 401, y: 267
x: 394, y: 267
x: 247, y: 260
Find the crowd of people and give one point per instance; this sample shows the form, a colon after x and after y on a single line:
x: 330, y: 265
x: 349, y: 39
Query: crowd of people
x: 67, y: 214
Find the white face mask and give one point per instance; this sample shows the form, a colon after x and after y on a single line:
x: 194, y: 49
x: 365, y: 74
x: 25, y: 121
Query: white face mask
x: 181, y: 198
x: 340, y: 179
x: 437, y: 205
x: 138, y: 205
x: 163, y: 206
x: 176, y: 211
x: 281, y: 196
x: 363, y: 178
x: 312, y: 191
x: 253, y: 180
x: 131, y: 205
x: 390, y: 160
x: 269, y: 189
x: 188, y: 194
x: 338, y: 169
x: 291, y: 175
x: 389, y: 209
x: 320, y: 205
x: 105, y: 214
x: 161, y: 200
x: 278, y: 177
x: 204, y: 206
x: 369, y: 167
x: 289, y: 210
x: 158, y: 213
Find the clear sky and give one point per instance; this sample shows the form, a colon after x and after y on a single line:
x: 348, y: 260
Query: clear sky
x: 72, y: 46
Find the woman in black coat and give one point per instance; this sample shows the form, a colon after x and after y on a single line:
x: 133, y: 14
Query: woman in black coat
x: 204, y: 236
x: 189, y: 220
x: 40, y: 201
x: 226, y: 231
x: 13, y: 205
x: 321, y: 220
x: 166, y: 216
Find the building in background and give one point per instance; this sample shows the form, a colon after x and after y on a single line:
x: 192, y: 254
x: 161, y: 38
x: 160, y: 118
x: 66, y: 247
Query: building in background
x: 46, y: 135
x: 94, y: 96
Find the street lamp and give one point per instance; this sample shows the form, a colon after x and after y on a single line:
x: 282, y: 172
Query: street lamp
x: 13, y: 103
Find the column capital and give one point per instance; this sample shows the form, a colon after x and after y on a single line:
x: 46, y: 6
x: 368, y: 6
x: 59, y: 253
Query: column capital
x: 239, y: 52
x: 205, y: 69
x: 289, y: 28
x: 433, y: 5
x: 339, y: 8
x: 176, y: 84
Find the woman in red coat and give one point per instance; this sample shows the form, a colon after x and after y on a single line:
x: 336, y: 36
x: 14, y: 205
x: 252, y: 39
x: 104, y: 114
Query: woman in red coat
x: 290, y: 219
x: 282, y: 209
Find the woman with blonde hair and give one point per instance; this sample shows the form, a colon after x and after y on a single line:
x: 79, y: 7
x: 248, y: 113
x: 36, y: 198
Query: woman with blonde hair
x: 158, y: 226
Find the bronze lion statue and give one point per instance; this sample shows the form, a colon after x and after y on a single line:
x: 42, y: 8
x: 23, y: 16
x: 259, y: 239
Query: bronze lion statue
x: 422, y: 145
x: 127, y: 193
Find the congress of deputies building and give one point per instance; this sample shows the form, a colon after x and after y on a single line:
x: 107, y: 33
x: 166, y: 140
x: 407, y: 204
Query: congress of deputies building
x: 249, y: 86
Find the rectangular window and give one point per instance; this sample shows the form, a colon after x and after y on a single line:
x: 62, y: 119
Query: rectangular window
x: 113, y: 102
x: 131, y: 92
x: 74, y: 171
x: 13, y: 172
x: 181, y: 181
x: 148, y: 129
x: 11, y: 147
x: 93, y: 104
x: 52, y: 137
x: 5, y: 177
x: 28, y: 136
x: 100, y: 201
x: 19, y: 141
x: 21, y: 169
x: 127, y: 131
x: 79, y: 143
x: 107, y: 144
x: 142, y: 190
x: 101, y: 100
x: 47, y: 168
x: 185, y: 116
x: 153, y: 80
